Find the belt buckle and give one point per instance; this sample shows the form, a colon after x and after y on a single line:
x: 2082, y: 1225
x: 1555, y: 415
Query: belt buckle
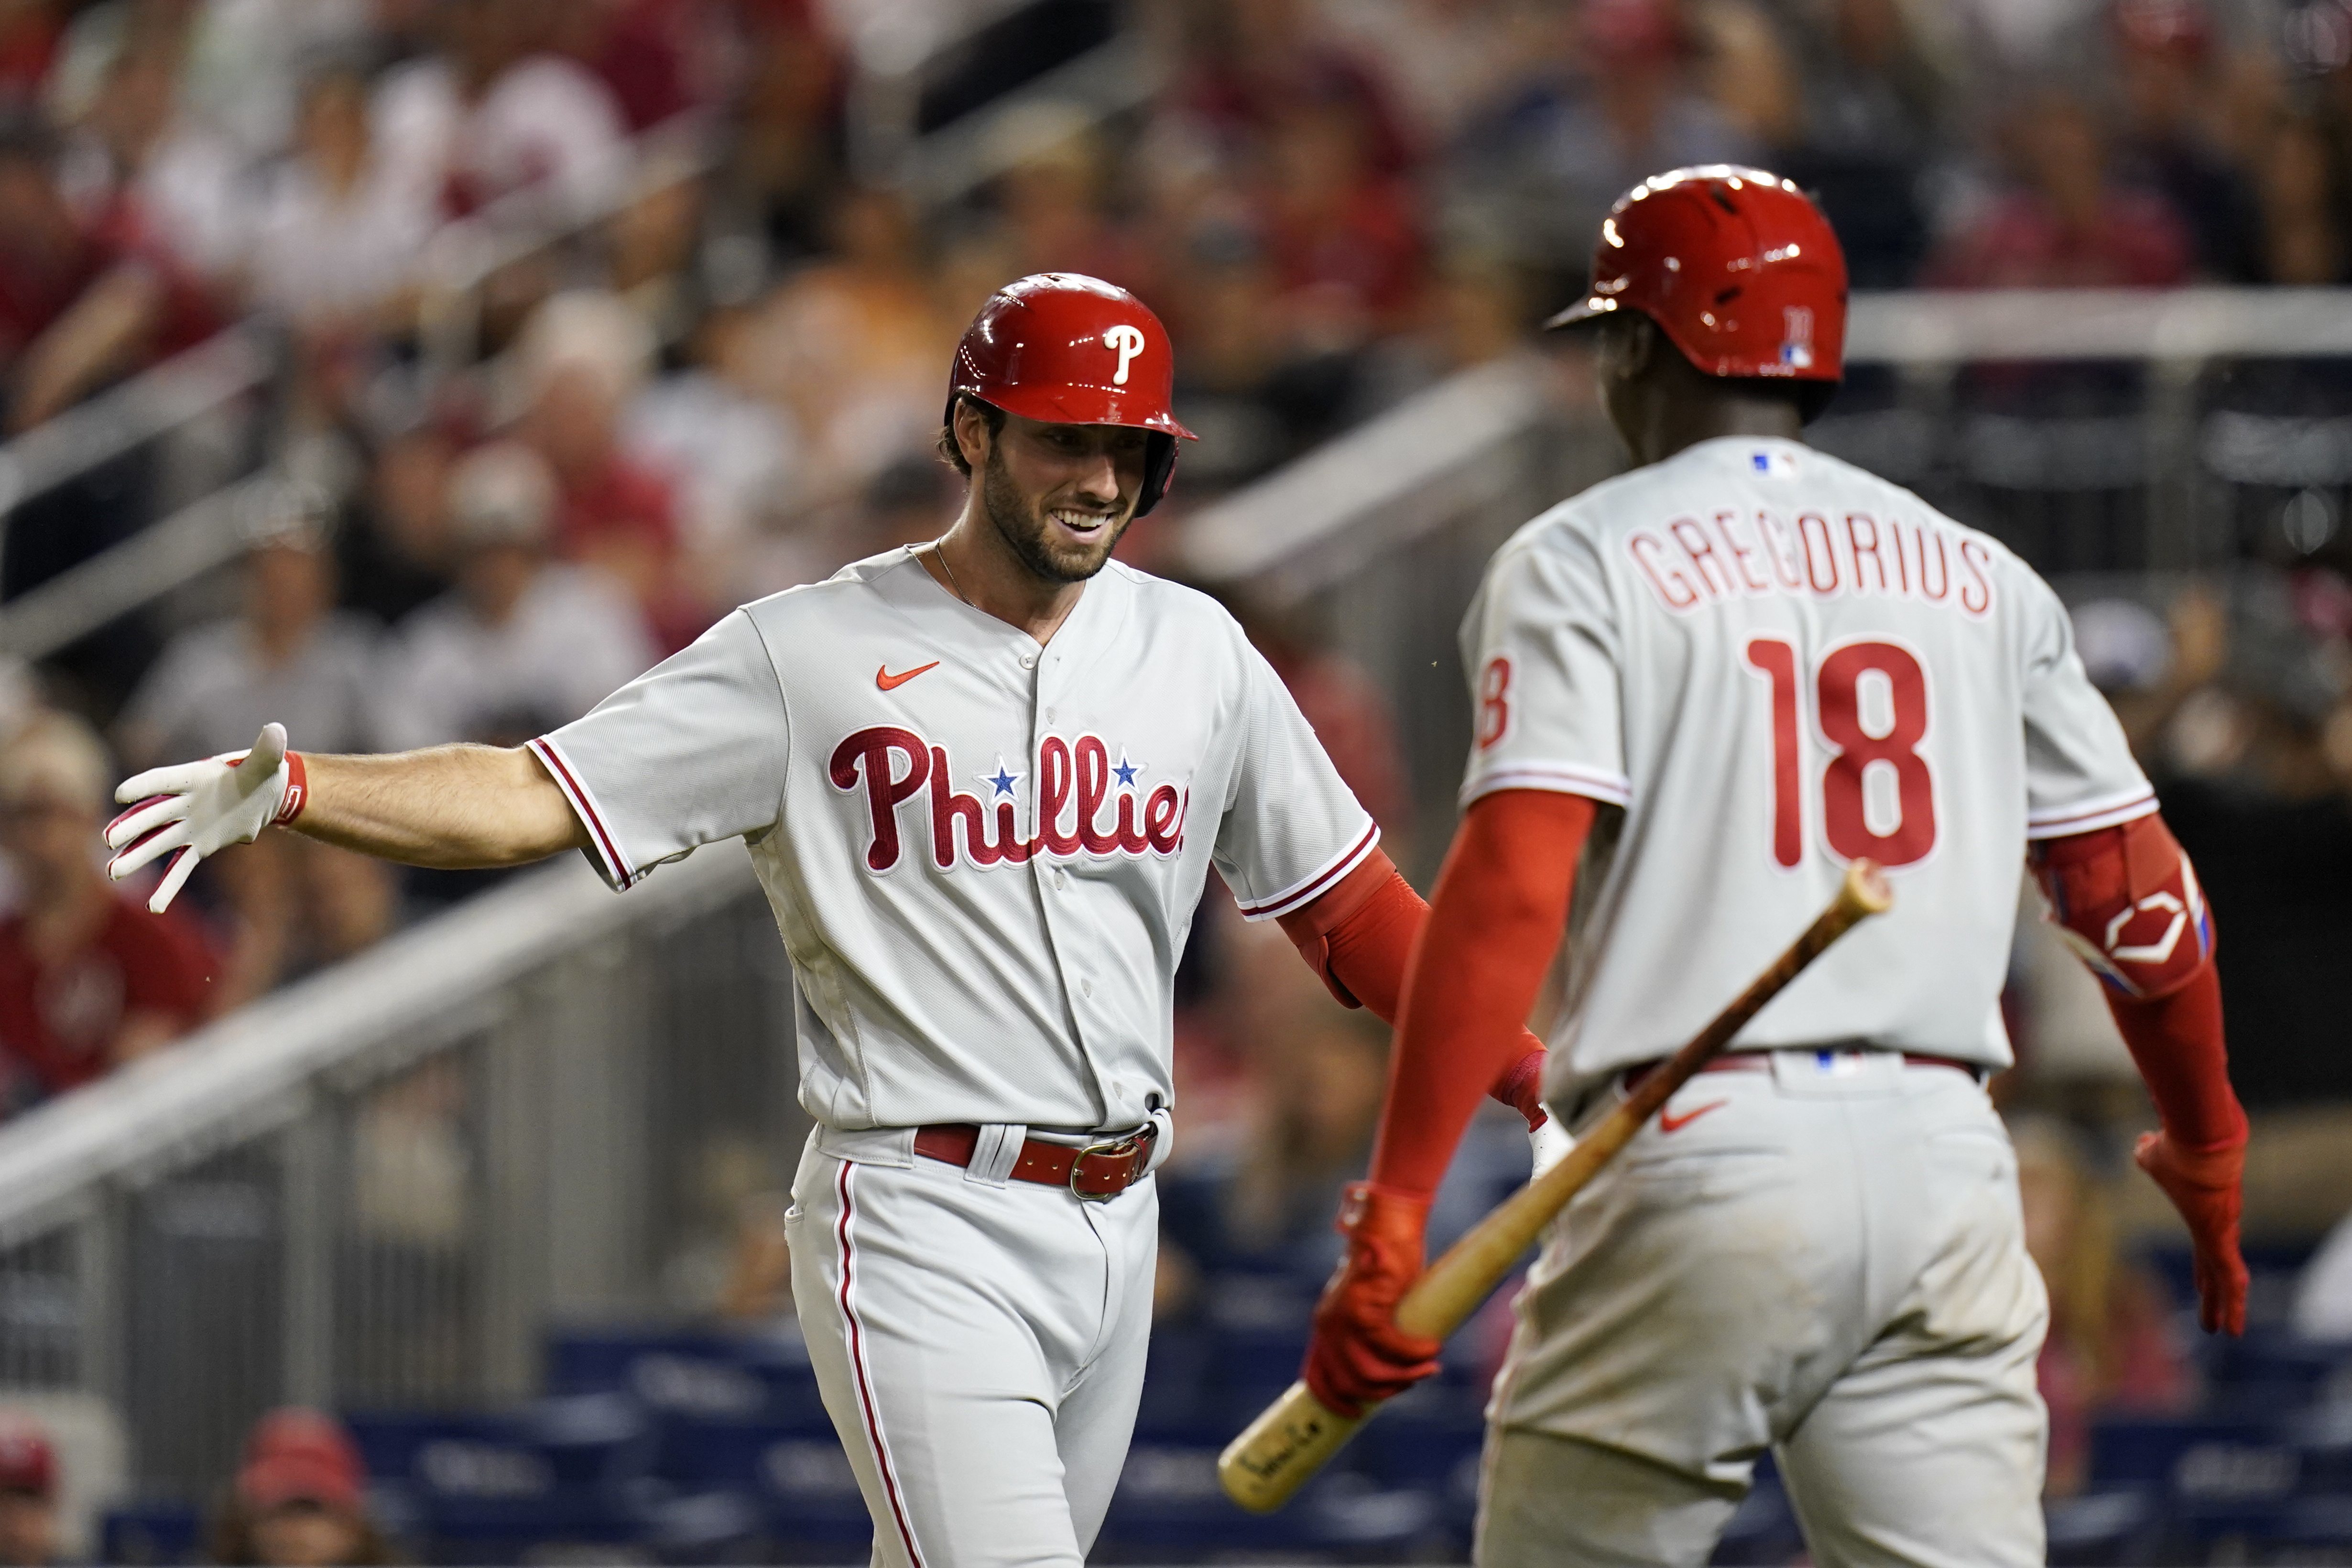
x: 1116, y: 1146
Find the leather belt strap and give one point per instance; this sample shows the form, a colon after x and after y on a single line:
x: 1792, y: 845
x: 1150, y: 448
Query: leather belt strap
x: 1095, y: 1171
x: 1761, y: 1061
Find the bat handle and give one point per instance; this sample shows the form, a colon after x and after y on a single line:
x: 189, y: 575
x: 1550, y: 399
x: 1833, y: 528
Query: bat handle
x: 1289, y: 1442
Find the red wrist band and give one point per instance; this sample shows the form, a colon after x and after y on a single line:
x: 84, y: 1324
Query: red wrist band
x: 297, y: 790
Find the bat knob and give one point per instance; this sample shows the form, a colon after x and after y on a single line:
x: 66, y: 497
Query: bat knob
x: 1866, y: 891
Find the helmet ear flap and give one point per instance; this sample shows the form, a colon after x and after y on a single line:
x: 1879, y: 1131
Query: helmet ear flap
x: 1158, y: 470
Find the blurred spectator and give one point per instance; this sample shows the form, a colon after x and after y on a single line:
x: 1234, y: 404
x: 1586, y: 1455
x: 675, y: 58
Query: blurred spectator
x: 523, y: 645
x: 1051, y: 197
x: 584, y: 355
x: 2112, y: 1346
x: 1260, y: 397
x: 1247, y: 63
x: 2304, y: 232
x: 786, y: 143
x: 1617, y: 101
x: 336, y: 234
x: 1444, y: 58
x: 1342, y: 235
x: 80, y: 304
x: 1864, y: 133
x: 299, y: 1498
x: 395, y: 553
x: 2174, y: 137
x: 854, y: 348
x: 909, y: 503
x: 493, y: 114
x: 733, y: 461
x: 290, y: 657
x: 651, y: 54
x: 139, y: 161
x: 240, y: 61
x: 30, y: 33
x: 30, y: 1536
x: 89, y: 979
x: 2067, y: 224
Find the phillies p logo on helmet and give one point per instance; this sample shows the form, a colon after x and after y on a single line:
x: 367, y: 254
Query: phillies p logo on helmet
x: 1126, y: 341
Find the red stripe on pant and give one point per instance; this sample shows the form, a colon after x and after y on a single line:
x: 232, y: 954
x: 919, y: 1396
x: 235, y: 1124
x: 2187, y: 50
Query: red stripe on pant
x: 857, y: 1370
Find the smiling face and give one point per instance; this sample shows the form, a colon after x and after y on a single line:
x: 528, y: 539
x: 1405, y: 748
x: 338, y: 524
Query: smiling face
x: 1059, y: 495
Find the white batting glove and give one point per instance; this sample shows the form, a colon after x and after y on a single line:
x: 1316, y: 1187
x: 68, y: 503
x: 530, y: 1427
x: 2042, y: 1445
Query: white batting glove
x: 1551, y: 1142
x: 189, y: 810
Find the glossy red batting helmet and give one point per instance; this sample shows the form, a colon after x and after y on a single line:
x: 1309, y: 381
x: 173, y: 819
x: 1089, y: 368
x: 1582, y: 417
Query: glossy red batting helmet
x: 1736, y: 265
x: 1066, y: 349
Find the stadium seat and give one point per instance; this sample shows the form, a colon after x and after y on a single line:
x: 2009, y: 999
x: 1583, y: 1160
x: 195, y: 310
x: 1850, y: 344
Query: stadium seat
x: 152, y: 1531
x: 1169, y: 1507
x: 729, y: 1375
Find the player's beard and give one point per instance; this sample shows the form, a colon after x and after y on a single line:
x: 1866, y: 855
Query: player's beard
x: 1029, y: 532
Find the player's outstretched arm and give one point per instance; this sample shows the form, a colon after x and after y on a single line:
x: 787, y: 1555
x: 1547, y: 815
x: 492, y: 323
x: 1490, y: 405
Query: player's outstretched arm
x: 1496, y: 919
x: 458, y: 808
x: 2127, y: 901
x: 1359, y: 939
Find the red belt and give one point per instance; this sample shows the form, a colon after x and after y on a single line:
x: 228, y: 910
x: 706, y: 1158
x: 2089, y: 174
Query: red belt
x: 1095, y: 1172
x: 1761, y: 1061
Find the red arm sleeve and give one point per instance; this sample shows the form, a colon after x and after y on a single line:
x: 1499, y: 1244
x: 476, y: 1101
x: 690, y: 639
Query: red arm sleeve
x: 1501, y: 906
x: 1359, y: 937
x: 2128, y: 900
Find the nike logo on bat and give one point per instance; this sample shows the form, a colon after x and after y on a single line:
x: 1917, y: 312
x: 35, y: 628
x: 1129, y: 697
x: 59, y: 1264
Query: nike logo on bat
x: 890, y: 682
x: 1669, y: 1122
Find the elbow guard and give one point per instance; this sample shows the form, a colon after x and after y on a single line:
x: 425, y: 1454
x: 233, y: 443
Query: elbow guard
x: 2126, y: 900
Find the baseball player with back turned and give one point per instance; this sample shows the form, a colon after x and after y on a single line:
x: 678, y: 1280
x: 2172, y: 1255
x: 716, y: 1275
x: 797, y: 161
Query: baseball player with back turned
x: 1711, y: 682
x: 983, y: 782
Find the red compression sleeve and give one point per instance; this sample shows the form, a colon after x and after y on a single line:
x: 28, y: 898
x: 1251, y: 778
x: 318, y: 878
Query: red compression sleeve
x: 2115, y: 886
x: 1359, y: 937
x: 2176, y: 1042
x: 1501, y: 906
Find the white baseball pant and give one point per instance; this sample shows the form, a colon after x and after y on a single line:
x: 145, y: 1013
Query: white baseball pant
x: 980, y: 1346
x: 1827, y: 1260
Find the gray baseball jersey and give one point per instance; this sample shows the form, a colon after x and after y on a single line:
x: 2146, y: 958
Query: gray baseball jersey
x: 1777, y: 663
x: 983, y: 855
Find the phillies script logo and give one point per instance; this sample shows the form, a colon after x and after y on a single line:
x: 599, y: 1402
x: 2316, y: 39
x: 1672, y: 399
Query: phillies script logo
x: 891, y: 765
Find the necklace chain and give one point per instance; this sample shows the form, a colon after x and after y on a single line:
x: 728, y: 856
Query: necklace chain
x: 939, y: 551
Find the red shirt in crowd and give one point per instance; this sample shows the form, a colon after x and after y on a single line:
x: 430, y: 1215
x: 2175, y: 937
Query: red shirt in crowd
x: 59, y: 1021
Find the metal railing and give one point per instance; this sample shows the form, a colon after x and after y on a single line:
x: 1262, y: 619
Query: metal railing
x: 217, y: 381
x: 379, y: 1186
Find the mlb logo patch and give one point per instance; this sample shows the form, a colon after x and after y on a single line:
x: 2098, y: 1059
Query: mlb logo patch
x: 1771, y: 464
x: 1797, y: 338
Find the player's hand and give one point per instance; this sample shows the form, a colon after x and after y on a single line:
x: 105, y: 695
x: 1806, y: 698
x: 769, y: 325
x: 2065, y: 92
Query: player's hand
x: 191, y: 809
x: 1359, y: 1356
x: 1550, y: 1142
x: 2204, y: 1184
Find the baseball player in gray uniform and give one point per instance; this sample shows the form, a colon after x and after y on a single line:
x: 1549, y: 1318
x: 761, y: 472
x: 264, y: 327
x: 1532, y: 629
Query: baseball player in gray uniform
x: 983, y: 782
x: 1712, y: 682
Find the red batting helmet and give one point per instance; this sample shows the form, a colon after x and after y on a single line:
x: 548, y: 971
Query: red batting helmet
x: 1737, y: 268
x: 1066, y: 349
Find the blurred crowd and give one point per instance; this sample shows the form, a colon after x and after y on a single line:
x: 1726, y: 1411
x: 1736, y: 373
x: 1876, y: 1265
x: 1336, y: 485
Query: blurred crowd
x: 705, y: 361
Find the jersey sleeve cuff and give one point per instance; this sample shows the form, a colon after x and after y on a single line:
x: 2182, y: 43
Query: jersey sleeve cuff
x: 2089, y: 815
x: 1560, y: 778
x: 1308, y: 888
x: 604, y: 844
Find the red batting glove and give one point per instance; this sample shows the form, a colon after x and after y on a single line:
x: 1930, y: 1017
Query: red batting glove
x: 1359, y: 1357
x: 2204, y: 1185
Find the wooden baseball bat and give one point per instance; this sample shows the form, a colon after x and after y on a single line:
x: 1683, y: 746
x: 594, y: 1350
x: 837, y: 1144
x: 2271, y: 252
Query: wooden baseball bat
x: 1293, y: 1436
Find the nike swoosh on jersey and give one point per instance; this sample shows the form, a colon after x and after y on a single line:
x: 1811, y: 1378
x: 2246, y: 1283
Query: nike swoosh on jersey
x: 890, y: 682
x: 1669, y: 1122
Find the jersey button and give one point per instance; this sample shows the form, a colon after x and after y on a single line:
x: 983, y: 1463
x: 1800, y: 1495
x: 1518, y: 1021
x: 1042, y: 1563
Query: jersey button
x: 1028, y: 661
x: 1058, y: 878
x: 1086, y: 987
